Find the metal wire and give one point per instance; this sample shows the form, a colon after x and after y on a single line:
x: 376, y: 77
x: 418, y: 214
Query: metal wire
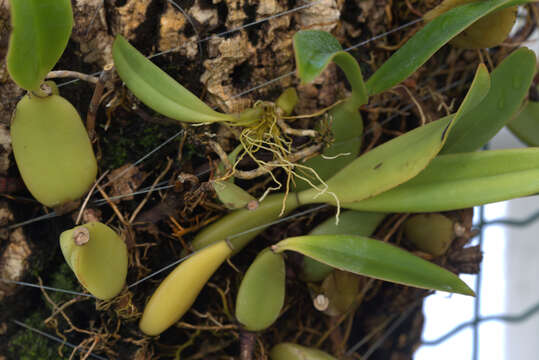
x: 477, y: 300
x: 254, y: 88
x: 396, y: 321
x: 55, y: 338
x: 507, y: 318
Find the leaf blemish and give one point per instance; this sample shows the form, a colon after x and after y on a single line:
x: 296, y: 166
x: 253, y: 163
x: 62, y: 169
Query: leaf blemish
x: 378, y: 166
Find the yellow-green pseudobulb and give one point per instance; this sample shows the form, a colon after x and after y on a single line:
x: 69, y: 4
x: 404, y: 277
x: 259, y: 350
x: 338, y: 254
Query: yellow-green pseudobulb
x: 179, y: 290
x: 52, y: 149
x: 262, y: 290
x: 290, y: 351
x: 431, y: 233
x: 341, y: 289
x: 486, y: 32
x: 98, y: 257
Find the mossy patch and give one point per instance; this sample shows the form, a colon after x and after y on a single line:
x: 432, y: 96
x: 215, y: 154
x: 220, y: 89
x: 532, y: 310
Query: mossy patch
x: 27, y: 345
x: 64, y: 279
x: 123, y: 144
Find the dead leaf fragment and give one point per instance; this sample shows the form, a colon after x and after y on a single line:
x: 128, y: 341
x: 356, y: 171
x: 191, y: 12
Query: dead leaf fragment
x: 125, y: 180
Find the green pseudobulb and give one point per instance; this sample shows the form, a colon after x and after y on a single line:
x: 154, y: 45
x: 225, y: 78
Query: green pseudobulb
x: 52, y: 149
x: 341, y: 288
x: 98, y: 257
x: 262, y: 291
x: 290, y: 351
x: 431, y: 233
x: 486, y: 32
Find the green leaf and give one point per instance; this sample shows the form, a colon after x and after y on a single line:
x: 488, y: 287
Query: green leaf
x: 509, y: 86
x: 315, y: 49
x: 41, y: 30
x: 479, y: 89
x: 351, y: 223
x: 261, y: 293
x: 374, y: 258
x: 384, y: 167
x: 157, y: 89
x: 399, y: 159
x: 416, y: 51
x: 459, y: 181
x: 526, y: 125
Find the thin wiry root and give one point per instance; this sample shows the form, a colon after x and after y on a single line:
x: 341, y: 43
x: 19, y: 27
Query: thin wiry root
x: 269, y: 134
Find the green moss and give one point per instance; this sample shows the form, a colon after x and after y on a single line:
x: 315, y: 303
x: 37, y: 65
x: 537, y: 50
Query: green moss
x: 150, y: 138
x: 115, y: 152
x: 121, y: 145
x: 27, y: 345
x: 63, y: 278
x: 189, y: 151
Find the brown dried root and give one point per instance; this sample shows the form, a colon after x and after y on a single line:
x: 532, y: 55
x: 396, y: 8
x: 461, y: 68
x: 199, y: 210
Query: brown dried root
x: 72, y: 74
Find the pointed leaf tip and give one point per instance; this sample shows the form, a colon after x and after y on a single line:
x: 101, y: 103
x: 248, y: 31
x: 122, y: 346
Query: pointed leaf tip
x: 374, y: 258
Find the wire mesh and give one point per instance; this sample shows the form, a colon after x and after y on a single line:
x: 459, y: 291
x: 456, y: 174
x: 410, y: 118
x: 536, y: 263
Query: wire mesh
x: 506, y: 318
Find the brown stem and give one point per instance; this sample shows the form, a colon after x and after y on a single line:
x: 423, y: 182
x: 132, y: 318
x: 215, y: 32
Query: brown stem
x: 247, y: 345
x: 96, y: 100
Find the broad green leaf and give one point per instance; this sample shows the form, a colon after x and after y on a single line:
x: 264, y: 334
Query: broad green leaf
x: 261, y: 293
x: 526, y: 125
x: 347, y: 128
x: 351, y: 223
x: 416, y: 51
x: 399, y: 159
x: 374, y: 258
x: 384, y: 167
x: 458, y: 181
x: 510, y: 82
x: 41, y: 30
x: 157, y: 89
x: 315, y: 49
